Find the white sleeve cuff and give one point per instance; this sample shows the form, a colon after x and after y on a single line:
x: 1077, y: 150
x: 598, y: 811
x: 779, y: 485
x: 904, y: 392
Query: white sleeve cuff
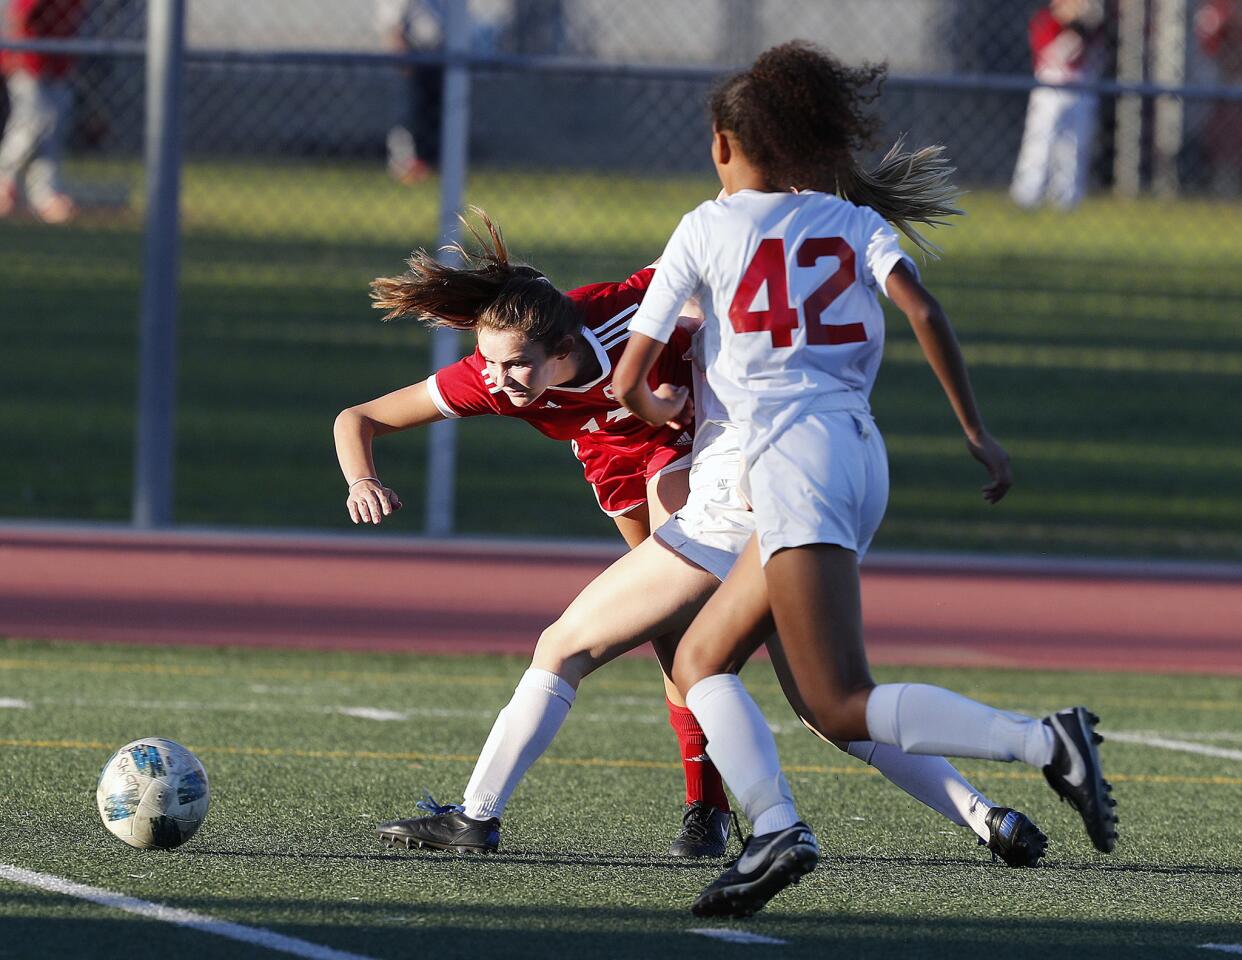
x: 884, y: 266
x: 650, y: 327
x: 433, y: 389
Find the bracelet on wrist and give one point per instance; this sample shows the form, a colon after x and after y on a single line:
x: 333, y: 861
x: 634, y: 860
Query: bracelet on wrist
x: 360, y: 479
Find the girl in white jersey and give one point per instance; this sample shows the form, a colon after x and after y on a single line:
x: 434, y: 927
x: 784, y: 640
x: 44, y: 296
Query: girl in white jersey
x: 787, y: 274
x: 655, y: 590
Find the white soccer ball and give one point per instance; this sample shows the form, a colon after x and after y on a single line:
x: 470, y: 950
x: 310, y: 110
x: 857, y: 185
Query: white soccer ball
x: 153, y: 794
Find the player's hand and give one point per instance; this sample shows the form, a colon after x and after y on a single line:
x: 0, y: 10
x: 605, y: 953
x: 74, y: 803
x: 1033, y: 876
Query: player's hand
x: 993, y: 456
x: 674, y: 406
x: 370, y: 501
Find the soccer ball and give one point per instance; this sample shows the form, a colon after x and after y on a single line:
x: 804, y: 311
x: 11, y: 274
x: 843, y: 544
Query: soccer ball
x: 152, y: 794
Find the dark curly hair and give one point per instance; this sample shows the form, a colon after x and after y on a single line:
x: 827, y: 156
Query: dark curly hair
x: 800, y: 116
x: 488, y: 289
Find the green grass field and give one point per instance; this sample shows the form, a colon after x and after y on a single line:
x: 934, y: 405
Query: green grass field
x: 297, y: 787
x: 1105, y: 345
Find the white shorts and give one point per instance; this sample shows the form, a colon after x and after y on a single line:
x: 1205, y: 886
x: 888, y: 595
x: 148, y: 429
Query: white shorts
x: 823, y: 478
x: 714, y: 526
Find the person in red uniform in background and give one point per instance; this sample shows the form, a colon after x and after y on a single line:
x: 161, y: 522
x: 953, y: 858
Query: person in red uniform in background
x: 547, y: 357
x: 1218, y: 27
x: 40, y: 100
x: 1060, y: 124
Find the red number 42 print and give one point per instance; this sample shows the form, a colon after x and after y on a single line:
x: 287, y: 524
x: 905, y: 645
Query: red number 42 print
x: 780, y: 319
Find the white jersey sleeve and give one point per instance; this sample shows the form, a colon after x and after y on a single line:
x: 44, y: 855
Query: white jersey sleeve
x: 883, y: 253
x: 677, y: 279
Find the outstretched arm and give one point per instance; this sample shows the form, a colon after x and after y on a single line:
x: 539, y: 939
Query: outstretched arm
x: 369, y: 501
x: 939, y: 343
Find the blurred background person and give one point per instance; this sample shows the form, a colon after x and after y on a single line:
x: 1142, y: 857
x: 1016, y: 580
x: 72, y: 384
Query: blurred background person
x: 1218, y: 28
x: 414, y: 140
x: 40, y: 100
x: 1067, y: 47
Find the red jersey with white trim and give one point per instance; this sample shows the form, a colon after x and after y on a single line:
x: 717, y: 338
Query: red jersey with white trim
x: 619, y: 452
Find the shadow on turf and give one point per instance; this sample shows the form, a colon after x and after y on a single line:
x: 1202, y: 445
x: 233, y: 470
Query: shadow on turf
x: 513, y: 856
x: 672, y: 863
x: 431, y: 926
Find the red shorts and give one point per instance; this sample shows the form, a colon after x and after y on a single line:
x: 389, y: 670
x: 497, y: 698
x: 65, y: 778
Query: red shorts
x: 619, y: 476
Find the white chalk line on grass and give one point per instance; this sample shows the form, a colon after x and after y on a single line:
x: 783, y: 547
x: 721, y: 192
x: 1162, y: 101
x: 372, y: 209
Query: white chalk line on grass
x: 12, y: 703
x: 652, y: 717
x: 1180, y: 745
x: 1222, y: 947
x: 181, y: 918
x: 736, y: 936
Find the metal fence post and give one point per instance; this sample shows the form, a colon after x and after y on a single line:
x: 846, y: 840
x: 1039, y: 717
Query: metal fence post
x: 1170, y: 18
x: 157, y: 348
x: 1131, y: 55
x: 454, y: 142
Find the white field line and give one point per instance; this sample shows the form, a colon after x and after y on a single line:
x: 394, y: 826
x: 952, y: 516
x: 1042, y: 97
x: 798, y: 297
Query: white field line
x: 372, y: 713
x: 1222, y: 947
x: 654, y: 716
x: 1181, y: 745
x: 736, y: 936
x: 181, y: 918
x: 12, y: 703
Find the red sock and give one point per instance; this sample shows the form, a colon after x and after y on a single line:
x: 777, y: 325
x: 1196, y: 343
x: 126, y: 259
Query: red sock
x: 702, y: 778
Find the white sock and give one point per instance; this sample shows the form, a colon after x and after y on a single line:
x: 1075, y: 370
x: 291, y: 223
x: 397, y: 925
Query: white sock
x: 520, y: 735
x: 741, y: 746
x: 930, y: 780
x: 920, y: 718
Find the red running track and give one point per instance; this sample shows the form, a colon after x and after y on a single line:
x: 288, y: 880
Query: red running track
x: 350, y: 593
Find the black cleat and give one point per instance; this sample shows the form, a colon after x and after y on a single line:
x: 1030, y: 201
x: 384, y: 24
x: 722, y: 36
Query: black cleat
x: 1013, y: 838
x: 768, y: 865
x: 1076, y: 776
x: 447, y: 828
x: 704, y: 832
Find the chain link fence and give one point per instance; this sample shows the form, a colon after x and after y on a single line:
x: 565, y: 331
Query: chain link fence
x: 1101, y: 309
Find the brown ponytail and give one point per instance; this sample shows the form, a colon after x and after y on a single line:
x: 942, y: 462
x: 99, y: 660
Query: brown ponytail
x: 905, y: 188
x: 488, y: 290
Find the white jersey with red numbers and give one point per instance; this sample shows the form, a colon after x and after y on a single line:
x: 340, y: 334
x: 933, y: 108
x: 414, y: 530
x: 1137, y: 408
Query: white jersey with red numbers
x: 787, y: 283
x: 618, y: 451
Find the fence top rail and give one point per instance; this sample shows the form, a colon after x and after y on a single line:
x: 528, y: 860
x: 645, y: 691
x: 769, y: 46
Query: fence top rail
x: 973, y: 82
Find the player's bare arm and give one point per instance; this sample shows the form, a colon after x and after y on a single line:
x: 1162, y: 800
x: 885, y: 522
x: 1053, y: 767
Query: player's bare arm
x: 369, y: 501
x: 939, y: 344
x: 667, y: 404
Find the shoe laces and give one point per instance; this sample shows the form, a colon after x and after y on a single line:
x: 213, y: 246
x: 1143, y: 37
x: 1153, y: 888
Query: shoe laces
x: 428, y: 804
x: 697, y: 820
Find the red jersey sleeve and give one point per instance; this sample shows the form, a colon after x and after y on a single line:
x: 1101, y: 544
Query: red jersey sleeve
x: 462, y: 389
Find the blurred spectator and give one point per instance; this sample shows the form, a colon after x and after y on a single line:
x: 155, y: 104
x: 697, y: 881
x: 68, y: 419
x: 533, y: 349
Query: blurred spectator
x: 1066, y: 46
x: 414, y: 141
x: 40, y: 100
x: 1218, y: 27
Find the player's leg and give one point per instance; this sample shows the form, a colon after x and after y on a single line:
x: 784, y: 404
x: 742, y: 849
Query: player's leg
x: 25, y: 129
x: 936, y: 783
x: 1072, y: 151
x: 705, y: 813
x: 1030, y: 175
x: 740, y: 742
x: 45, y: 189
x: 815, y: 601
x: 646, y: 593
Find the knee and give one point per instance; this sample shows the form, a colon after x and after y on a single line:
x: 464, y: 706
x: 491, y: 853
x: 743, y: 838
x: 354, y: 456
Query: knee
x: 693, y: 663
x: 837, y: 716
x: 560, y: 651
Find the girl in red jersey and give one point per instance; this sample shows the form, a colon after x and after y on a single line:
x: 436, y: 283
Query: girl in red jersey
x: 789, y: 273
x: 546, y: 357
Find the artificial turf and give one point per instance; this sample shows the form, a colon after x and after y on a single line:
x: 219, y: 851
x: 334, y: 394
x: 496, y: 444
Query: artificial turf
x: 1104, y: 347
x: 297, y: 787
